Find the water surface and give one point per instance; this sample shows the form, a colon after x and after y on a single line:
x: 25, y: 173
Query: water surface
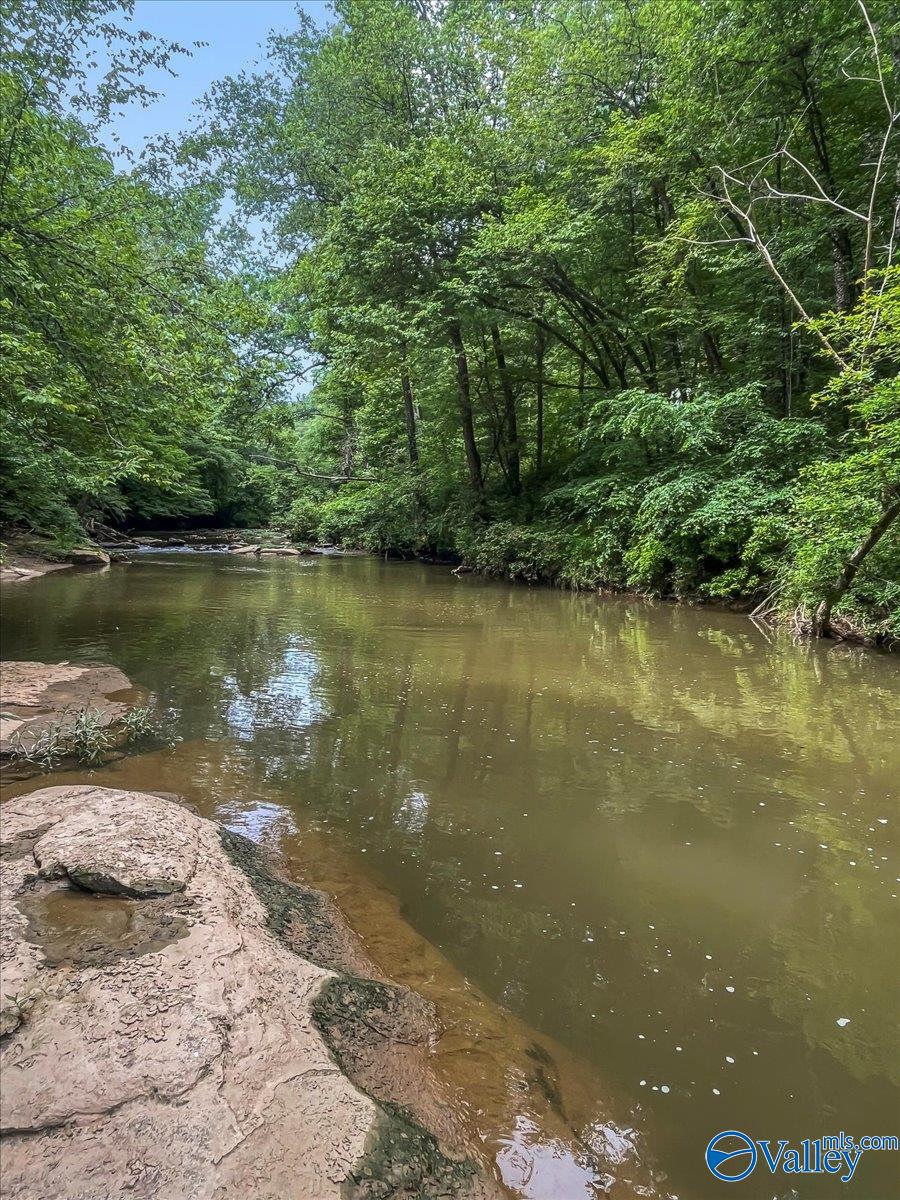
x: 660, y: 836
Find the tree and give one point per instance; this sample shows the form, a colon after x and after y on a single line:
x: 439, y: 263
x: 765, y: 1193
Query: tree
x: 125, y: 348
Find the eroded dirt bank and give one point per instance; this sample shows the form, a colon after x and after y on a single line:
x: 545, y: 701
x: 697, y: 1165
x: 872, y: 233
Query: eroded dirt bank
x: 171, y: 1027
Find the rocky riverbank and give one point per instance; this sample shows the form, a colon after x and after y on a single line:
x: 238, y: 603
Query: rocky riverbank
x: 180, y: 1022
x: 100, y: 882
x: 19, y: 568
x: 30, y: 559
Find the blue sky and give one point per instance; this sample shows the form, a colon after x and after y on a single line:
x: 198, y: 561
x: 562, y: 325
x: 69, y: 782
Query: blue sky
x: 236, y: 31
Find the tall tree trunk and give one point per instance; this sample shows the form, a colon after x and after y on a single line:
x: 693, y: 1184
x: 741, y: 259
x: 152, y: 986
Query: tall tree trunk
x: 509, y: 412
x: 540, y: 344
x: 841, y: 245
x: 708, y: 342
x: 842, y: 263
x: 409, y: 416
x: 676, y: 361
x: 473, y: 458
x: 822, y: 619
x: 581, y: 415
x: 349, y: 446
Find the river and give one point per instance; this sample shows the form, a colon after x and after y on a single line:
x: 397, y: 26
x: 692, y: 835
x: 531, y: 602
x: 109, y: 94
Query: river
x: 660, y: 836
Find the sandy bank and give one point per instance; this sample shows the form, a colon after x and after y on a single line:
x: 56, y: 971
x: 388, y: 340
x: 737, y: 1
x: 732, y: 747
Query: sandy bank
x: 164, y: 1038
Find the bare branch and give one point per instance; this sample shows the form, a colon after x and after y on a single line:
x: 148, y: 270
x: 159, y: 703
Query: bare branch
x: 773, y: 193
x: 885, y: 141
x: 746, y: 216
x: 730, y: 181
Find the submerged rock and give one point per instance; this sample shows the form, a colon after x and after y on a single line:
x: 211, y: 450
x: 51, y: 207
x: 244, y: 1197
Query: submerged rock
x: 180, y: 1047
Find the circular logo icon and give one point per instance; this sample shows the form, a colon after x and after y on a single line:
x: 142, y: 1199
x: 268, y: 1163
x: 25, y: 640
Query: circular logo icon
x: 731, y: 1156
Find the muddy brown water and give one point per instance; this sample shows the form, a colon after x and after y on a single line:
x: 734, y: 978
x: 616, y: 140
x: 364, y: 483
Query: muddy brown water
x: 660, y: 838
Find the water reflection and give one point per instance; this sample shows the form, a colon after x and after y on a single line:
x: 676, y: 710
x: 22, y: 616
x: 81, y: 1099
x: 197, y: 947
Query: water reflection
x: 654, y: 834
x: 288, y: 700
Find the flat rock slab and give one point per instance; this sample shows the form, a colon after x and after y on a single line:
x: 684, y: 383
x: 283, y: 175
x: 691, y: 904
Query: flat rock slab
x: 20, y: 567
x: 278, y: 551
x: 34, y: 696
x: 88, y: 556
x: 179, y: 1062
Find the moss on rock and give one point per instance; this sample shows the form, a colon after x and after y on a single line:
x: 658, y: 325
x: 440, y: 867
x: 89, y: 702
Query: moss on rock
x: 403, y: 1160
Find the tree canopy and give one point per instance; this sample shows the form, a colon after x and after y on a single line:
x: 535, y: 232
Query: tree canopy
x: 133, y: 358
x: 595, y: 291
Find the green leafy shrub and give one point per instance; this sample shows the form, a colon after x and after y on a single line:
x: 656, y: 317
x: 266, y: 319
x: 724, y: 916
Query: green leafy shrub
x: 526, y: 552
x: 301, y: 521
x: 381, y: 517
x: 685, y: 489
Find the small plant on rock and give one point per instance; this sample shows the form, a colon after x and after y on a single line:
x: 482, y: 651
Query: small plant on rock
x: 89, y: 738
x: 86, y: 737
x: 44, y: 751
x: 138, y: 724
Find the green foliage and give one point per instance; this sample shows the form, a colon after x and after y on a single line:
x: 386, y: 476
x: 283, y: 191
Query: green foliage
x: 684, y: 486
x: 131, y: 374
x: 380, y: 517
x: 523, y: 248
x: 835, y: 505
x: 529, y: 552
x: 595, y: 292
x: 138, y: 724
x: 837, y: 501
x: 301, y: 520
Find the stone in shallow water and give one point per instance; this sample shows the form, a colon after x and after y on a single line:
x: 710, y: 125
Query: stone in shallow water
x: 35, y: 696
x: 88, y: 556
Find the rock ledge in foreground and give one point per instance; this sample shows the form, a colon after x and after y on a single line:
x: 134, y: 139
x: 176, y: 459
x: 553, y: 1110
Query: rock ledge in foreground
x: 169, y: 1045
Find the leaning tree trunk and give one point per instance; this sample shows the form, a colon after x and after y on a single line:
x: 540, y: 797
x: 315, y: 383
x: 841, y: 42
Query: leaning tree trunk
x: 822, y: 620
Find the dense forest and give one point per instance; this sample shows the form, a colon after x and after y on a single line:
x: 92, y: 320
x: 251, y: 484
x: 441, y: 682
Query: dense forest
x: 597, y: 292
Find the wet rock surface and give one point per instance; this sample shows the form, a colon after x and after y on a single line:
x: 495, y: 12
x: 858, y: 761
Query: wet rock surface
x: 35, y: 696
x: 164, y: 1038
